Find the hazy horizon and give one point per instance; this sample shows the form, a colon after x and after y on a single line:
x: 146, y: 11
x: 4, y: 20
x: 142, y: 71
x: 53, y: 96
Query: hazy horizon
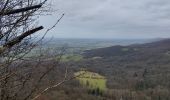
x: 96, y: 38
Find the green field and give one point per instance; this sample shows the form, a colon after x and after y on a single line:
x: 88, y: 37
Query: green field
x: 125, y: 49
x: 71, y: 57
x: 91, y: 80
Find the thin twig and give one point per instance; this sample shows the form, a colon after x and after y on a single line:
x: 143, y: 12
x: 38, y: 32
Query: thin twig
x: 54, y: 86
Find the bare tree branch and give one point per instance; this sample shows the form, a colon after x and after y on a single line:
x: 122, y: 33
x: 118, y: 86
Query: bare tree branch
x: 56, y: 85
x: 8, y: 12
x: 21, y: 37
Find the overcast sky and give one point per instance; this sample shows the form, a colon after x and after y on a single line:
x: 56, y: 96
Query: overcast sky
x: 110, y: 19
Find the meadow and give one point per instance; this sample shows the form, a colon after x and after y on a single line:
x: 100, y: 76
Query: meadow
x: 91, y: 80
x: 71, y: 57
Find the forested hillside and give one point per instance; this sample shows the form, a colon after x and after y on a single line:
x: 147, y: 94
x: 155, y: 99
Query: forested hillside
x: 134, y: 72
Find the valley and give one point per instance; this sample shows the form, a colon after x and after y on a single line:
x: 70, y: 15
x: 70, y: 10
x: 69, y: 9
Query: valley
x: 127, y: 72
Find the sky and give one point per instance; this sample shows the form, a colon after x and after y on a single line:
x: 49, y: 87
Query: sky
x: 129, y: 19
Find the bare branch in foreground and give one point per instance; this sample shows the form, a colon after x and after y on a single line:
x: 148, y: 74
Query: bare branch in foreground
x: 58, y: 84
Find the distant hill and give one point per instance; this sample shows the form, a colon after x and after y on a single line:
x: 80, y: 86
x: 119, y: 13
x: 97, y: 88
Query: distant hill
x: 142, y: 68
x: 147, y: 49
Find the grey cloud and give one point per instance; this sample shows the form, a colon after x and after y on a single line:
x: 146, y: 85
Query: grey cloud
x: 113, y: 18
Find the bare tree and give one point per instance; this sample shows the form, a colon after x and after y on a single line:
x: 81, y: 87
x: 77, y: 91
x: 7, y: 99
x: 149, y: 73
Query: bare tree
x: 21, y: 78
